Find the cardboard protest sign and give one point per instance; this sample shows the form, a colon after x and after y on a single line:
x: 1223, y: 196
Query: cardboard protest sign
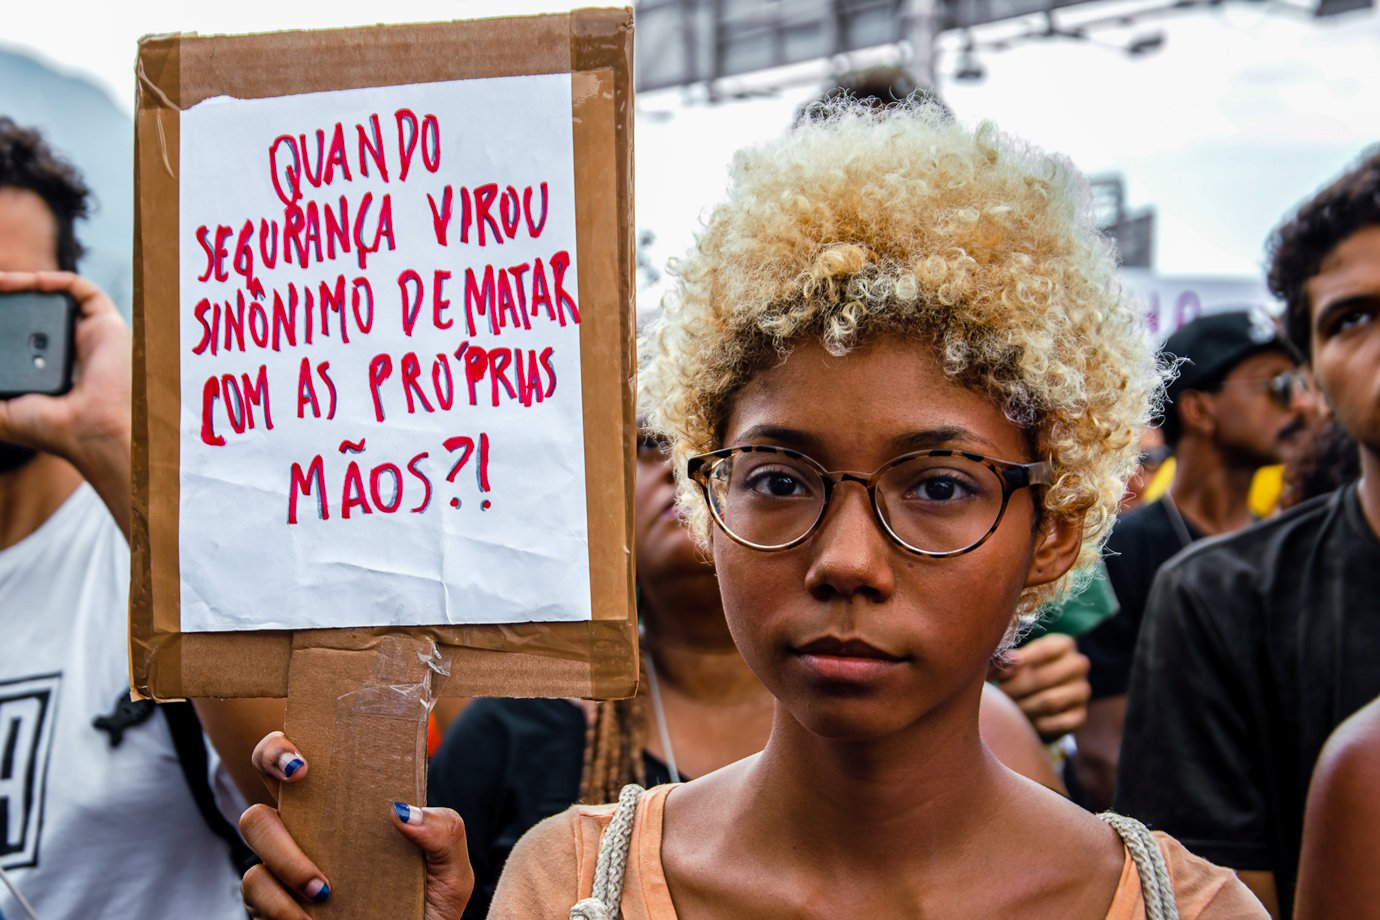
x: 384, y: 354
x: 384, y: 383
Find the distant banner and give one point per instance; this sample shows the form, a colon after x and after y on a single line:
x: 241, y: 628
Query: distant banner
x: 1173, y: 300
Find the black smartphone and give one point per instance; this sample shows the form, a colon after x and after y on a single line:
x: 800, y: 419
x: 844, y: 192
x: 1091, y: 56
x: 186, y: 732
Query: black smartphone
x: 37, y: 333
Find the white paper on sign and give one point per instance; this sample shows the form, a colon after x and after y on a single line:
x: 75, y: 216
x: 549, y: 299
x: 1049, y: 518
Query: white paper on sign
x: 380, y: 366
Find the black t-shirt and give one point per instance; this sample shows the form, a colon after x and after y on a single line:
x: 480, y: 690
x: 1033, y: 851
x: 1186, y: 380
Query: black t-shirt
x: 505, y: 765
x: 1255, y: 646
x: 1140, y: 543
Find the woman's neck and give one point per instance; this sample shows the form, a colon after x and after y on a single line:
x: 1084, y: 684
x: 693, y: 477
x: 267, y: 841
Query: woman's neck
x: 862, y: 799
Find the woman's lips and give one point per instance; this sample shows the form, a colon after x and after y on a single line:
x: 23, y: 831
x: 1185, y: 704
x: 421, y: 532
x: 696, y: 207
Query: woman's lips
x: 846, y: 659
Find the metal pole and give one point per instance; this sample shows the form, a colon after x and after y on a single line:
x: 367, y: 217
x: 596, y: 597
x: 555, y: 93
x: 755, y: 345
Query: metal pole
x: 919, y: 19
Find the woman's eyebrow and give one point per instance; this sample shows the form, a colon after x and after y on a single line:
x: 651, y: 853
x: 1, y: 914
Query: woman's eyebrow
x: 945, y: 436
x: 924, y: 439
x: 781, y: 435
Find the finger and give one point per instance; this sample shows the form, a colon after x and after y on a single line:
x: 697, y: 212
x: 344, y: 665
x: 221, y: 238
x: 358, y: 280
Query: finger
x: 80, y: 288
x: 440, y: 834
x: 278, y: 761
x: 1069, y: 668
x: 1029, y: 682
x: 1069, y: 665
x: 267, y: 899
x: 1056, y: 726
x: 1057, y: 700
x: 1045, y: 649
x: 1020, y: 683
x: 263, y: 830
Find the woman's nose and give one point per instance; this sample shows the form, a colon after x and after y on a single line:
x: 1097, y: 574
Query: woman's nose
x: 851, y: 554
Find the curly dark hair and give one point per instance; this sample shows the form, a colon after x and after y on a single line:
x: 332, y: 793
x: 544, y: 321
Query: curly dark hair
x: 1298, y: 246
x: 27, y: 162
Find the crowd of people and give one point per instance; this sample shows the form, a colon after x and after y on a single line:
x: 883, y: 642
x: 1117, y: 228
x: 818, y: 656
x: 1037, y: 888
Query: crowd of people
x: 910, y: 619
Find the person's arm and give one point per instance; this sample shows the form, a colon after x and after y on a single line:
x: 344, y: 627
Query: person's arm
x: 89, y: 426
x: 235, y: 727
x: 1048, y: 679
x: 1339, y: 869
x: 287, y: 879
x: 1012, y: 739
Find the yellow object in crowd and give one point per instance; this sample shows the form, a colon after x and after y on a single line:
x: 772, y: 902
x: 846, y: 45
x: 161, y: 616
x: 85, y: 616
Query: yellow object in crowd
x: 1266, y: 487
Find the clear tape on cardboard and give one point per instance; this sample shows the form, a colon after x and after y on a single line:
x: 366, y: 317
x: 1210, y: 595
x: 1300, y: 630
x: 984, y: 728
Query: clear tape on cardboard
x: 399, y: 688
x: 145, y: 85
x: 399, y: 684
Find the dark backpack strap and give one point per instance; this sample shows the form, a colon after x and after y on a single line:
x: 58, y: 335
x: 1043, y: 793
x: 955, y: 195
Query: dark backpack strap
x: 191, y: 755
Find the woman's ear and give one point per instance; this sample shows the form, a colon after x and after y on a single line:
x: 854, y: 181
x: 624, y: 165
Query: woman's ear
x: 1058, y: 542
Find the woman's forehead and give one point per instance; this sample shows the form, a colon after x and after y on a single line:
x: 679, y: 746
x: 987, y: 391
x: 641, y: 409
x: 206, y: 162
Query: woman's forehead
x: 889, y: 395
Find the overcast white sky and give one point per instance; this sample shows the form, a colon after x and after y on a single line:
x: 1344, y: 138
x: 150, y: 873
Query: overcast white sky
x: 1245, y: 110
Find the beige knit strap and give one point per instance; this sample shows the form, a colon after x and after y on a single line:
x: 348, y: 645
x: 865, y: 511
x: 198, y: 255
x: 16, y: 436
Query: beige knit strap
x: 1156, y: 887
x: 603, y: 902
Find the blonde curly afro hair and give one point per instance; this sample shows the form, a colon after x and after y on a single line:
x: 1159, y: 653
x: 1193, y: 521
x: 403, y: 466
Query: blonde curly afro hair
x: 860, y: 223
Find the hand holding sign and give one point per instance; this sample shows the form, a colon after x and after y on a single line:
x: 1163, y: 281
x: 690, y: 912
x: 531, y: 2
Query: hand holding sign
x: 288, y: 876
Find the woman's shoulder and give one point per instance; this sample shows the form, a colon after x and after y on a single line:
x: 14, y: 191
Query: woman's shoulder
x: 552, y: 866
x: 545, y: 871
x: 1201, y: 889
x: 1097, y: 854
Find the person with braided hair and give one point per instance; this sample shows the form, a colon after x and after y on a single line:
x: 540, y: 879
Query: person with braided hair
x: 901, y: 388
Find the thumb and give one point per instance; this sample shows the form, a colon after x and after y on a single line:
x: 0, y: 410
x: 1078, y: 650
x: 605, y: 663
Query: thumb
x: 440, y: 834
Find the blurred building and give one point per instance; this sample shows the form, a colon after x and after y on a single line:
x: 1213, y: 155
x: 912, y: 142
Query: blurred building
x: 86, y: 126
x: 685, y: 42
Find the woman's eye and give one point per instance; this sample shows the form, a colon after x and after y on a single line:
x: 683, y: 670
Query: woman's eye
x: 939, y: 488
x: 776, y: 484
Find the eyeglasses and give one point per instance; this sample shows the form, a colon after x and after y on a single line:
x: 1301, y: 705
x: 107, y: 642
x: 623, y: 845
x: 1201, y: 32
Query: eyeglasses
x: 932, y: 502
x: 1281, y: 389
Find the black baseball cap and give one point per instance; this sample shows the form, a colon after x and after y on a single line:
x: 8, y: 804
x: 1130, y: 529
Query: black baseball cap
x: 1209, y: 347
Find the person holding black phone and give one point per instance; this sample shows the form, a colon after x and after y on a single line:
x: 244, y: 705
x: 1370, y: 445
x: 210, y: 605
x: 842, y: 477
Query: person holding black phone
x: 96, y: 825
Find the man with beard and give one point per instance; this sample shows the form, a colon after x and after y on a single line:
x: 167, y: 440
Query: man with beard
x: 1229, y: 412
x: 1255, y: 647
x: 97, y: 820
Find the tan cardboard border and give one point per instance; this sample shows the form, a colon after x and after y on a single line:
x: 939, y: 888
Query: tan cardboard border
x: 596, y: 659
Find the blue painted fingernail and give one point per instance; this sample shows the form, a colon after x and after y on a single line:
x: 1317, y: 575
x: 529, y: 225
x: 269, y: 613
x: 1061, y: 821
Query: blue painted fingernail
x: 290, y: 763
x: 407, y: 814
x: 318, y: 890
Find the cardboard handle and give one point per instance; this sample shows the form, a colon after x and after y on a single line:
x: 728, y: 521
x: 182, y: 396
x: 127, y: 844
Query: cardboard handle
x: 360, y: 719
